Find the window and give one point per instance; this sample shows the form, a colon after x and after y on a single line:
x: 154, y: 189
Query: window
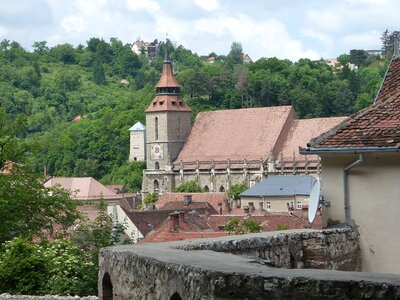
x: 299, y: 205
x: 261, y: 206
x: 206, y: 189
x: 156, y: 128
x: 107, y: 287
x: 157, y: 165
x: 268, y: 206
x: 156, y: 186
x: 222, y: 189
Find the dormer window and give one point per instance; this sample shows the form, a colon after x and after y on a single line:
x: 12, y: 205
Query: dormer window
x: 161, y: 102
x: 154, y: 102
x: 173, y: 102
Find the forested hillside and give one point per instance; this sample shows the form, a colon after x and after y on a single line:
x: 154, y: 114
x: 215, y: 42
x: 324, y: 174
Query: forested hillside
x: 52, y: 86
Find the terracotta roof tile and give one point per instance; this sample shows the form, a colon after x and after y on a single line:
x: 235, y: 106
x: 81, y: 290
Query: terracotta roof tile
x: 168, y: 103
x: 235, y: 134
x: 375, y: 126
x: 301, y: 132
x: 83, y: 188
x: 214, y: 199
x: 167, y: 78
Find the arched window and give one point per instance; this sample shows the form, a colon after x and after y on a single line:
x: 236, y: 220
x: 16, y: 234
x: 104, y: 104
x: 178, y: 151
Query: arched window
x: 206, y: 189
x: 156, y: 128
x: 157, y: 165
x: 222, y: 189
x: 107, y: 287
x: 156, y: 186
x: 175, y: 296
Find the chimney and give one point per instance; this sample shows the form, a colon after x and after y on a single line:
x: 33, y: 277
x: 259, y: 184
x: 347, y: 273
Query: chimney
x: 396, y: 45
x: 246, y: 210
x: 187, y: 199
x: 181, y: 216
x: 251, y: 207
x: 227, y: 206
x: 220, y: 208
x: 174, y: 217
x: 207, y: 211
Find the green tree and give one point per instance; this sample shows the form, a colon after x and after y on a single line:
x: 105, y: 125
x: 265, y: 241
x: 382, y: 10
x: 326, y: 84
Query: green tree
x: 236, y: 226
x: 189, y: 187
x: 99, y: 76
x: 235, y: 55
x: 235, y: 190
x: 150, y: 198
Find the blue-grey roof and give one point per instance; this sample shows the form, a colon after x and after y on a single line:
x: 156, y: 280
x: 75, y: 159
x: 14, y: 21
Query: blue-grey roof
x: 285, y: 185
x: 138, y: 127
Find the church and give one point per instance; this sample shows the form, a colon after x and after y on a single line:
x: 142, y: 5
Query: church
x: 223, y: 147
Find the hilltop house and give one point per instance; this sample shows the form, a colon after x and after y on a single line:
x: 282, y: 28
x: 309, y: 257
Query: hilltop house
x: 150, y: 49
x: 361, y: 171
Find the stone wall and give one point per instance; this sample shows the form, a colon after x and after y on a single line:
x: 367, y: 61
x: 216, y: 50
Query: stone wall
x: 48, y: 297
x: 208, y: 269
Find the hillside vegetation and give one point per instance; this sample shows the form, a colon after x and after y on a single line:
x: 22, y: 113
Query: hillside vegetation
x: 52, y: 86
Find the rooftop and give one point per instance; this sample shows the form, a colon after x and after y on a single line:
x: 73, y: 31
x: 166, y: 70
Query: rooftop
x: 285, y: 185
x: 375, y: 126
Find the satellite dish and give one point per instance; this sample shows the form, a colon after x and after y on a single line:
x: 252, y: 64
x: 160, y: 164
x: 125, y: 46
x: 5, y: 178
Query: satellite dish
x: 313, y: 202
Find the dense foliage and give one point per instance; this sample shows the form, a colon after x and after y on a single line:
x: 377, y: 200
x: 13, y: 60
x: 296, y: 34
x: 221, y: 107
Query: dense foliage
x: 237, y: 226
x: 235, y: 190
x: 53, y: 86
x: 189, y: 187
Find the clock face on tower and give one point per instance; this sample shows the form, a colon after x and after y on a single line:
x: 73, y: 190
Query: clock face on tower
x: 156, y: 152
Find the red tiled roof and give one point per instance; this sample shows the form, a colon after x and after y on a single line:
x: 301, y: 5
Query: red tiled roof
x: 83, y: 188
x: 179, y: 205
x: 212, y: 226
x: 146, y: 221
x: 269, y: 221
x: 167, y: 78
x: 238, y: 134
x: 375, y: 126
x: 212, y: 198
x: 301, y: 132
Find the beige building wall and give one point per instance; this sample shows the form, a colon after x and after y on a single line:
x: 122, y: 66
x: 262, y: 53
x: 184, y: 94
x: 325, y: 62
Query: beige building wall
x: 374, y: 193
x: 276, y: 204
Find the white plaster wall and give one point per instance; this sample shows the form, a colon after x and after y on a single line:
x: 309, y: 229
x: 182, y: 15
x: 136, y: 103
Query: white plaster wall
x: 375, y: 205
x: 131, y: 230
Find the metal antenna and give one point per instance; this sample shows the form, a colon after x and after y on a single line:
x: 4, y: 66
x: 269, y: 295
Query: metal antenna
x: 166, y: 47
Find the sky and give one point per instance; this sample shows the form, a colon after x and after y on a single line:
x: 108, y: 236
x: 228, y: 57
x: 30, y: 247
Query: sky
x: 287, y: 29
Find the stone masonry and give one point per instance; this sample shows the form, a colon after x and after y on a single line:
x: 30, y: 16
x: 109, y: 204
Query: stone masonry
x: 256, y: 266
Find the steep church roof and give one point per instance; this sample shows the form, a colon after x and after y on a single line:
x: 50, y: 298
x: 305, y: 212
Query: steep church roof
x: 238, y: 134
x: 168, y: 93
x: 376, y: 126
x: 301, y: 132
x: 167, y: 78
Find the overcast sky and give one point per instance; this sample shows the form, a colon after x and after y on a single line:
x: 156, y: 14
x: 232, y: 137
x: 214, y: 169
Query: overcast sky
x: 290, y: 29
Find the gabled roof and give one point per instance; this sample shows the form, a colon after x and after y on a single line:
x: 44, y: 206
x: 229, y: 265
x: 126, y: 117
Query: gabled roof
x: 285, y: 185
x: 376, y: 127
x: 146, y: 221
x: 214, y: 199
x: 83, y: 188
x: 238, y: 134
x: 138, y: 127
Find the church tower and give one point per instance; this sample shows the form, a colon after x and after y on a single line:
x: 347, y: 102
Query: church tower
x: 168, y: 126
